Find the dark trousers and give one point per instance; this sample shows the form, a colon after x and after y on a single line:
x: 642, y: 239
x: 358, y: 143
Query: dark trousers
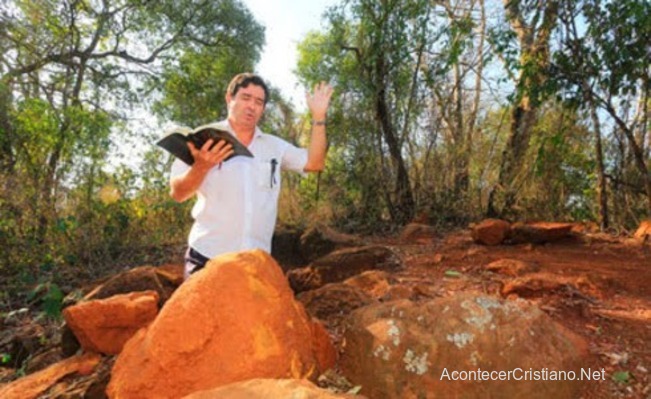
x: 194, y: 261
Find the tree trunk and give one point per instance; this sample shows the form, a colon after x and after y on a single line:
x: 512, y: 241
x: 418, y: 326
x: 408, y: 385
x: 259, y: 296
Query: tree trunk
x: 402, y: 209
x: 7, y: 160
x: 534, y: 61
x: 602, y: 194
x: 638, y: 152
x: 522, y: 119
x: 472, y: 119
x: 461, y: 156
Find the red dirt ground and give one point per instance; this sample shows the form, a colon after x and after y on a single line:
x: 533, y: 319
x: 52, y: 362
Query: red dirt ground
x: 610, y: 306
x: 596, y: 285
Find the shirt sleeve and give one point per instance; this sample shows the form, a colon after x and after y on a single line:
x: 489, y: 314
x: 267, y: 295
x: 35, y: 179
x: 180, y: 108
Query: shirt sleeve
x: 178, y: 168
x: 294, y: 159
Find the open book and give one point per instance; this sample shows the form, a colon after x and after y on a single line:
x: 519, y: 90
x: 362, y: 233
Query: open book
x: 175, y: 141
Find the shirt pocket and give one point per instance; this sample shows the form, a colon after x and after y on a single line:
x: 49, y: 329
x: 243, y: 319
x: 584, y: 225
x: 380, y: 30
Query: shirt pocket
x: 268, y: 174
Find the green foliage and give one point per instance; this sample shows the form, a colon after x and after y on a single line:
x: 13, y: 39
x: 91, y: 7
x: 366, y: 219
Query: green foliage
x: 612, y: 52
x: 602, y: 66
x: 377, y: 56
x: 71, y: 76
x: 5, y: 358
x: 193, y: 86
x: 622, y: 377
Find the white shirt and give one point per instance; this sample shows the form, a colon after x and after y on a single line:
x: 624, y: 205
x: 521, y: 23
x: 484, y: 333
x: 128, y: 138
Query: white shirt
x: 237, y: 202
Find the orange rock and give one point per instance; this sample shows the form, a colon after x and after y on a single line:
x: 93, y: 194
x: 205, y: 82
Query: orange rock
x: 320, y: 240
x: 324, y: 351
x: 333, y: 302
x: 491, y: 231
x: 539, y: 232
x: 536, y: 284
x: 269, y: 388
x: 104, y: 325
x: 644, y: 230
x: 343, y: 264
x: 511, y: 267
x: 404, y: 349
x: 164, y: 280
x: 33, y: 385
x: 375, y: 283
x: 234, y: 320
x: 417, y: 233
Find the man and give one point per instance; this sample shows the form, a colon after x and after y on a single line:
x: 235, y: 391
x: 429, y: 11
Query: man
x: 237, y: 200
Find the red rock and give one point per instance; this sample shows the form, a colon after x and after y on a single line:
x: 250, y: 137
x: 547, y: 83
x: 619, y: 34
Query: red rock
x: 491, y: 231
x: 403, y: 349
x: 164, y: 280
x: 333, y: 301
x: 35, y: 384
x: 536, y: 284
x: 342, y: 264
x: 105, y: 325
x: 236, y: 319
x: 644, y: 230
x: 324, y: 351
x: 510, y: 267
x: 539, y: 232
x: 320, y: 240
x: 417, y: 233
x: 374, y: 283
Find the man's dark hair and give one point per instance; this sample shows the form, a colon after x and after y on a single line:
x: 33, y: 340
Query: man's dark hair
x: 244, y: 80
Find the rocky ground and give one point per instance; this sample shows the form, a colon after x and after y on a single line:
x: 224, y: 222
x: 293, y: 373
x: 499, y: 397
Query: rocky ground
x: 596, y: 285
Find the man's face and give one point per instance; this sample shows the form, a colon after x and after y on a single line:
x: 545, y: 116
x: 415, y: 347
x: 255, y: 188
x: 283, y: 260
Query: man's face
x: 247, y: 106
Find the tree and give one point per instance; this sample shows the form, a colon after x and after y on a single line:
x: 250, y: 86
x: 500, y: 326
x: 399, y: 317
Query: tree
x: 605, y: 66
x: 532, y: 23
x: 390, y: 61
x: 457, y: 103
x: 71, y: 73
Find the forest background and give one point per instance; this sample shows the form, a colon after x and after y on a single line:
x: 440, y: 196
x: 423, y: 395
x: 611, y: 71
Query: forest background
x: 417, y: 129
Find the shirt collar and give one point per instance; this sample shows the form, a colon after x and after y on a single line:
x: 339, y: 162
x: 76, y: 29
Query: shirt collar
x: 227, y: 124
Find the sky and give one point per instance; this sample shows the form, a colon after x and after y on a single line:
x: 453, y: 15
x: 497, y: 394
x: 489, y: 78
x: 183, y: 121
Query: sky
x: 286, y: 23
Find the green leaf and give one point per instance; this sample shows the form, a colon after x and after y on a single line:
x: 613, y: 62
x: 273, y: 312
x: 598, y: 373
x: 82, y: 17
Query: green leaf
x: 5, y: 358
x: 52, y: 302
x: 623, y: 377
x: 452, y: 273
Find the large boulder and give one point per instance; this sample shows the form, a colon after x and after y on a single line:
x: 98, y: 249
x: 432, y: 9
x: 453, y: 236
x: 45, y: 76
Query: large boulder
x: 341, y: 265
x: 262, y: 388
x: 403, y: 349
x: 236, y: 319
x: 105, y: 325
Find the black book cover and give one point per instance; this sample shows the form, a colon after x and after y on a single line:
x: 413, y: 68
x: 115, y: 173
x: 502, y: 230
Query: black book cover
x: 175, y: 141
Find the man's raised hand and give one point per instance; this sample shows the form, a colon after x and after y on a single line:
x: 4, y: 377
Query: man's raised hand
x: 319, y: 100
